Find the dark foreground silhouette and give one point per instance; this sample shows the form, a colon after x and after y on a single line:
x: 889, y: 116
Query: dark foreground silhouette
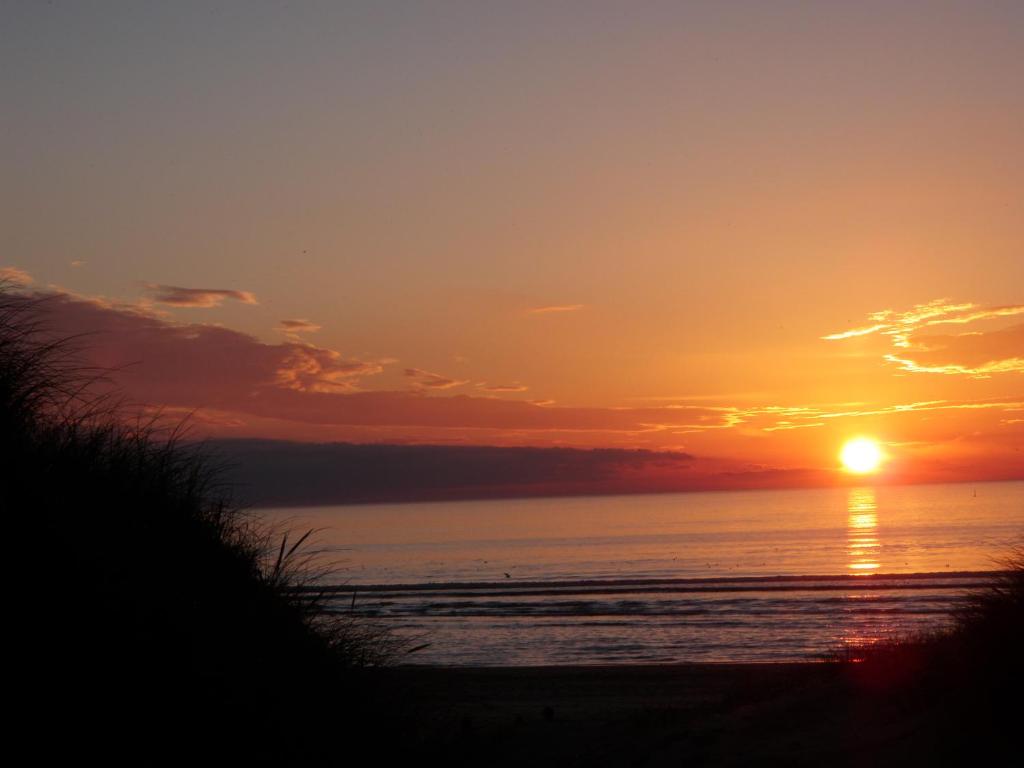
x: 161, y: 626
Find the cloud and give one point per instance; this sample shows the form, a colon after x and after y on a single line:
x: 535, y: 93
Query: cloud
x: 176, y: 296
x: 975, y: 354
x: 191, y: 417
x: 985, y: 371
x: 554, y: 308
x: 856, y: 332
x: 283, y: 473
x: 159, y: 362
x: 433, y: 380
x: 784, y: 425
x: 246, y: 387
x: 305, y: 368
x: 15, y: 276
x: 776, y: 418
x: 502, y: 387
x: 1002, y: 404
x: 298, y: 325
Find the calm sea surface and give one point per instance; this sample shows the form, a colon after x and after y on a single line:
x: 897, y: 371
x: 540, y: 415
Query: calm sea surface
x: 725, y: 576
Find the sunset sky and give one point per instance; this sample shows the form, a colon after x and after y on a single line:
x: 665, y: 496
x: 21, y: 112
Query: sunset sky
x: 745, y: 232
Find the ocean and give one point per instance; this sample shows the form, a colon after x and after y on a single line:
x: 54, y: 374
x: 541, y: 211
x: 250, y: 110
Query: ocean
x: 739, y: 576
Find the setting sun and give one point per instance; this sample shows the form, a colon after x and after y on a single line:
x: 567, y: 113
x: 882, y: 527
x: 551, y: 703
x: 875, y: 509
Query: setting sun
x: 861, y: 455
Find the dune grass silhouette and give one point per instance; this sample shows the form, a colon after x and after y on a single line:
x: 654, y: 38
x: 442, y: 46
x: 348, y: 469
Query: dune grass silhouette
x: 961, y: 685
x: 158, y: 613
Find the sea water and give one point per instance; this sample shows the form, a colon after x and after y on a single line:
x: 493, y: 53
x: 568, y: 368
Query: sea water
x: 778, y: 575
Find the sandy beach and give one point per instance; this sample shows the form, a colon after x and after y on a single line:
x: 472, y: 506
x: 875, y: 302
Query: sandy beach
x: 702, y: 714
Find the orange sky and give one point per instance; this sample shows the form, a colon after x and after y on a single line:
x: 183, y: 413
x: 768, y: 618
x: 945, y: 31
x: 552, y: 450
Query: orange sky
x: 742, y: 232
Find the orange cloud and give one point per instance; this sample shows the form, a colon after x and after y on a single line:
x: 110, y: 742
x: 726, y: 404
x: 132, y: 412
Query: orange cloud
x: 298, y: 325
x: 784, y: 425
x: 975, y: 354
x: 176, y: 296
x: 1006, y: 404
x: 502, y: 387
x: 856, y: 332
x: 15, y: 276
x: 306, y: 368
x: 555, y: 308
x: 978, y: 355
x: 433, y: 380
x: 159, y: 362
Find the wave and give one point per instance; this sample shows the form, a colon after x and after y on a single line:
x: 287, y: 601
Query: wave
x: 728, y: 601
x: 961, y: 580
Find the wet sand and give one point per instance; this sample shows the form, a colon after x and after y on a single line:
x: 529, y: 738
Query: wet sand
x: 701, y: 714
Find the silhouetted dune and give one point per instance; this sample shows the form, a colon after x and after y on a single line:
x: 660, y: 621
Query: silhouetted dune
x: 157, y: 613
x: 962, y: 684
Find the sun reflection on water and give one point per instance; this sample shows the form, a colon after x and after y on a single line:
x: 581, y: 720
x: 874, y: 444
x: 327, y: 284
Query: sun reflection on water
x: 862, y: 542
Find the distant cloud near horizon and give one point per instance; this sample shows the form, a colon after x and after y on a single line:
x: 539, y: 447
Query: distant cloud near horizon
x: 554, y: 308
x: 15, y: 275
x: 177, y: 296
x: 273, y: 472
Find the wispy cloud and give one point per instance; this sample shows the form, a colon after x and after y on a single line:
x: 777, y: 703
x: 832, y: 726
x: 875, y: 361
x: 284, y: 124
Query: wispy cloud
x: 900, y: 325
x: 856, y: 332
x: 306, y: 368
x: 975, y: 354
x: 298, y: 325
x: 784, y: 425
x: 924, y: 405
x: 176, y: 296
x: 433, y: 380
x: 983, y: 371
x: 15, y: 276
x: 775, y: 418
x: 502, y: 387
x: 552, y: 308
